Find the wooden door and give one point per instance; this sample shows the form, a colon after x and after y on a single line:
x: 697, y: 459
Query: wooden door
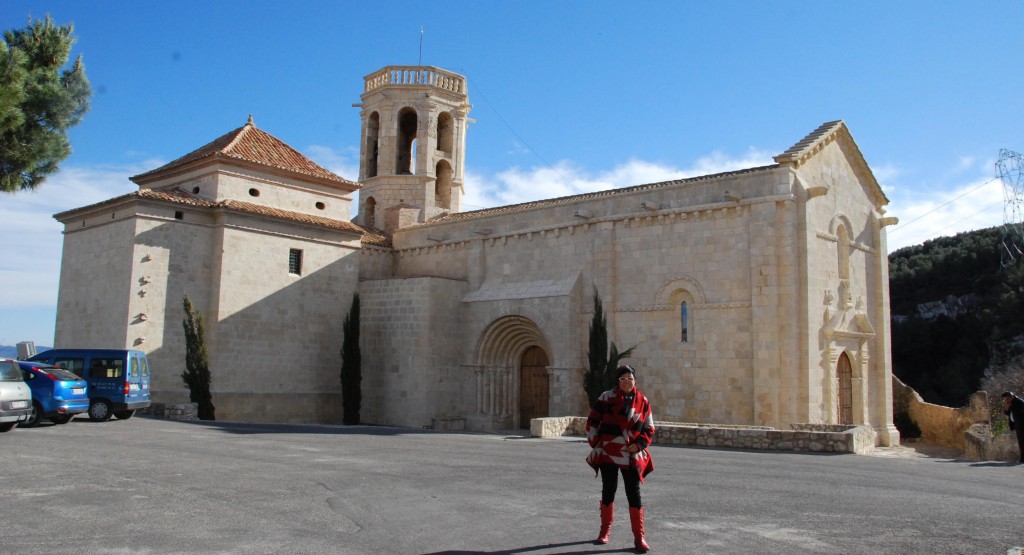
x: 844, y: 374
x: 533, y: 386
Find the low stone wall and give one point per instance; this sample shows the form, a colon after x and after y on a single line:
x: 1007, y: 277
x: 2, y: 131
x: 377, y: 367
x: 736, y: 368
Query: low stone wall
x: 980, y: 445
x: 943, y: 426
x: 813, y: 438
x: 173, y: 411
x: 558, y: 426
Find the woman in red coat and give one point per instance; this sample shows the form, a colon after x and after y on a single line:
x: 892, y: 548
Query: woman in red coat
x: 619, y: 430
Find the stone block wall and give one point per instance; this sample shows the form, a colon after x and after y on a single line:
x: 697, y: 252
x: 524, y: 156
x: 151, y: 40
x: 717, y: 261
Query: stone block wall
x: 173, y: 411
x: 943, y: 426
x: 813, y: 438
x: 412, y: 377
x: 980, y: 445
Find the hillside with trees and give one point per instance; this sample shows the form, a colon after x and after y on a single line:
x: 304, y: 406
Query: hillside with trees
x: 955, y: 305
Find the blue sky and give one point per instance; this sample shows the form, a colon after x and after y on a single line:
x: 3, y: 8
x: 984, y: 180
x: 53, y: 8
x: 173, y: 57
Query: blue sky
x: 568, y: 97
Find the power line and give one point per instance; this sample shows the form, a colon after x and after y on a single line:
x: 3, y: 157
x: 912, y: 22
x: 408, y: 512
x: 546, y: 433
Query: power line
x: 477, y: 89
x: 954, y: 224
x: 903, y: 226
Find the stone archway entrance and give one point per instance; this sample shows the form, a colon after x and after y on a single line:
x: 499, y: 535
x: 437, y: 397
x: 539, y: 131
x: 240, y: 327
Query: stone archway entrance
x: 844, y: 375
x: 511, y: 351
x: 533, y: 386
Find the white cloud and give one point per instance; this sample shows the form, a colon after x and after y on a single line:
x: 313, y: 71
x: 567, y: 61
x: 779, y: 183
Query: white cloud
x: 344, y: 164
x: 926, y: 214
x: 31, y: 265
x: 565, y: 178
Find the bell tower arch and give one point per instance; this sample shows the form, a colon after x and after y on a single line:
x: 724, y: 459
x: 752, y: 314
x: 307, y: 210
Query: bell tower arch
x: 413, y: 143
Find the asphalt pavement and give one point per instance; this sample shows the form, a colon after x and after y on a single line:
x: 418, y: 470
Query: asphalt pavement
x: 155, y: 486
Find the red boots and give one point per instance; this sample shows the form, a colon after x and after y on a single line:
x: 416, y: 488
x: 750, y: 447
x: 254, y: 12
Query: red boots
x: 636, y: 519
x: 606, y: 523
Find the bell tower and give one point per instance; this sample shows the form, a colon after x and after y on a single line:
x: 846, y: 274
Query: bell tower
x: 412, y: 152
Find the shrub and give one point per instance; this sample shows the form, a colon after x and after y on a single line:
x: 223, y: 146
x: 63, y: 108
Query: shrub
x: 905, y: 424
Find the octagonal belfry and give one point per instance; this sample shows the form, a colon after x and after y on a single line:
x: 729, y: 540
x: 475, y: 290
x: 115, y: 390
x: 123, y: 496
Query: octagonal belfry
x: 412, y: 147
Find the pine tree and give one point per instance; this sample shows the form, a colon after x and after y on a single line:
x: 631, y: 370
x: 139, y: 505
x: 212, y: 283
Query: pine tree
x: 351, y: 366
x: 197, y: 365
x: 38, y: 102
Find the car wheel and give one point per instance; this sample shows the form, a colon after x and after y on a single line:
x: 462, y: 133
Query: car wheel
x: 99, y: 411
x: 34, y: 418
x: 62, y: 418
x: 7, y: 426
x: 124, y: 414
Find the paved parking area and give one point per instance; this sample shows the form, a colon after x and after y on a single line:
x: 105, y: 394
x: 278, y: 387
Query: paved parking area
x: 156, y: 486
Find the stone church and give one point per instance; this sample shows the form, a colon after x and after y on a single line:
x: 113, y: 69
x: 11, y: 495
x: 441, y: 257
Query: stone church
x: 754, y: 297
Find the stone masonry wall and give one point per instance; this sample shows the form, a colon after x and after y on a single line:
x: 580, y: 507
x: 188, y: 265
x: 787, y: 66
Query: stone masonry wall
x: 804, y: 438
x: 941, y: 425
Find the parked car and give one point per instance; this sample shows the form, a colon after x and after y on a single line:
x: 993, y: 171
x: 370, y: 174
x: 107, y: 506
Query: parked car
x: 57, y: 394
x: 118, y: 378
x: 15, y: 397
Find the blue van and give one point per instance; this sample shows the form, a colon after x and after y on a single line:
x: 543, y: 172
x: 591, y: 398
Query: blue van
x: 118, y: 378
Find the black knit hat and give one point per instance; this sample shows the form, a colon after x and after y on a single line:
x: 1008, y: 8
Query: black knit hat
x: 624, y: 369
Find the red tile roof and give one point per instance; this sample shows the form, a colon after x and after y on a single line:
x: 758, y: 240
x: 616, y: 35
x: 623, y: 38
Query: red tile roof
x: 254, y: 146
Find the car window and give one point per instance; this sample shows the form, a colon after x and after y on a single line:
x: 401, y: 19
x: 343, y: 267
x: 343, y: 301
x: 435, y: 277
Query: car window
x: 73, y: 364
x: 9, y: 371
x: 145, y: 367
x: 106, y: 368
x: 61, y: 374
x: 27, y: 376
x: 135, y: 366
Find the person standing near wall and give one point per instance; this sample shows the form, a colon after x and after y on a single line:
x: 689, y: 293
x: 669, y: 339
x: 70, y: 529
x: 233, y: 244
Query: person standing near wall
x: 619, y: 430
x: 1014, y: 410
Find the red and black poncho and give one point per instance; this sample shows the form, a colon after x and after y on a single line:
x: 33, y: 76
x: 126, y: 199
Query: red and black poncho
x: 613, y: 425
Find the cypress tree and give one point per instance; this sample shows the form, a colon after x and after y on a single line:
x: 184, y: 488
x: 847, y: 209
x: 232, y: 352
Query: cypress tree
x: 197, y: 366
x: 597, y: 354
x: 600, y: 376
x: 351, y: 366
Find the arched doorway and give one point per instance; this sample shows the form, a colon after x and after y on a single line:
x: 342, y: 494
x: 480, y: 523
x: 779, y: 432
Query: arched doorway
x: 533, y: 386
x: 844, y: 375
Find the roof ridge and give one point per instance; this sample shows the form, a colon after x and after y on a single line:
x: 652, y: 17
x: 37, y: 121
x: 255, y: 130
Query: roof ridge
x: 509, y: 208
x: 253, y: 145
x: 242, y: 132
x: 806, y: 146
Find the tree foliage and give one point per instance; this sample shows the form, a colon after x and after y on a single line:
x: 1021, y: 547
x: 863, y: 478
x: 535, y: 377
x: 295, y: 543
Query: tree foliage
x: 600, y: 374
x: 197, y: 366
x: 945, y: 357
x: 597, y: 353
x: 351, y: 366
x: 38, y: 102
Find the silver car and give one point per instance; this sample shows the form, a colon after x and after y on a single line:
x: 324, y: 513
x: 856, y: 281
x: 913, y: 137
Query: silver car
x: 15, y: 397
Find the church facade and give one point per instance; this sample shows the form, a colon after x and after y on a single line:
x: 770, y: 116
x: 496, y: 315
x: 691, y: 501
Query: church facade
x: 754, y: 297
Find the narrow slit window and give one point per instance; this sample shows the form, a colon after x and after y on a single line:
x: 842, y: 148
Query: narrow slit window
x: 295, y: 262
x: 684, y: 318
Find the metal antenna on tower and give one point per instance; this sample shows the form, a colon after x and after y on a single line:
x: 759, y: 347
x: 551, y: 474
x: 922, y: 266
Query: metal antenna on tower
x: 421, y: 46
x: 1010, y: 168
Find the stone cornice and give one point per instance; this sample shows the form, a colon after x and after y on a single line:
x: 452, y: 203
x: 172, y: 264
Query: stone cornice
x: 632, y: 219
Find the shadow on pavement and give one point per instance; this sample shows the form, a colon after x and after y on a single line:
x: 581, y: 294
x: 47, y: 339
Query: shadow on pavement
x: 591, y: 548
x: 243, y: 428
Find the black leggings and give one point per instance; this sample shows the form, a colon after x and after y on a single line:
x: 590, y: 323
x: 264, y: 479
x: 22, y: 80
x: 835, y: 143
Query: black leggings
x: 610, y: 483
x: 1020, y: 440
